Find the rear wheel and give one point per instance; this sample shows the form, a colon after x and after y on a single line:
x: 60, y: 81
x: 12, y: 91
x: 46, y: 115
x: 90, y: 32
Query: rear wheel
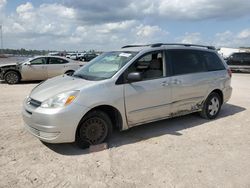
x: 12, y: 77
x: 94, y: 129
x: 212, y: 106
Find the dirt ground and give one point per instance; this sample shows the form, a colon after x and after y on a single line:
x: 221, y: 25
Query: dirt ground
x: 180, y: 152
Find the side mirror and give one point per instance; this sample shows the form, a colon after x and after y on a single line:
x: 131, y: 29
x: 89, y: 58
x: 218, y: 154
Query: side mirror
x: 134, y: 77
x: 28, y: 63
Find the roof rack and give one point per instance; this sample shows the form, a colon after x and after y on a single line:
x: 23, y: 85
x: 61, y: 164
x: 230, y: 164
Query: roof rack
x: 171, y: 44
x: 136, y: 45
x: 180, y: 44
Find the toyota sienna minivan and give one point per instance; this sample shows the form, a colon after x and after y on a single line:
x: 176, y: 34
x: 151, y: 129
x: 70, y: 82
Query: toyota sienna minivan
x: 128, y: 87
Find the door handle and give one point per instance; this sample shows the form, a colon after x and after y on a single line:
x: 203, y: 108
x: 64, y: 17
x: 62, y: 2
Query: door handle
x: 176, y: 82
x: 164, y: 83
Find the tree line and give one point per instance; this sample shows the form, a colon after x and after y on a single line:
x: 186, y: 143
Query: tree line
x: 23, y: 51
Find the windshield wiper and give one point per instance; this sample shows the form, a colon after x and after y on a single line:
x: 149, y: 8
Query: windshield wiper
x: 80, y: 76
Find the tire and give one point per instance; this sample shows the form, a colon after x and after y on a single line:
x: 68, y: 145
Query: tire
x: 12, y: 77
x: 94, y: 128
x: 212, y: 106
x: 70, y: 73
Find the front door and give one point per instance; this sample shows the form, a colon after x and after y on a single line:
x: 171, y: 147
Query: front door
x: 149, y: 99
x: 35, y: 70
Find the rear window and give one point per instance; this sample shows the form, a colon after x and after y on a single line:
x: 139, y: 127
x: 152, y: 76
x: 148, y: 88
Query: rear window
x: 212, y: 61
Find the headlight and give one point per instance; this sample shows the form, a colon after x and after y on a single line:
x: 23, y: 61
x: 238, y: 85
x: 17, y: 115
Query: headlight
x: 60, y: 100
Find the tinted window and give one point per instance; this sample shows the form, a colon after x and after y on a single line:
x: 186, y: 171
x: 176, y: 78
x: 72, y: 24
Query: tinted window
x: 247, y: 58
x: 53, y: 60
x: 38, y: 61
x: 237, y: 56
x: 213, y: 62
x: 186, y: 61
x: 239, y: 59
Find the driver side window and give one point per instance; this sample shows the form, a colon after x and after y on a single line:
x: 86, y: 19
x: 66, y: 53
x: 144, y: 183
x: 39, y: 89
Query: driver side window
x: 149, y: 65
x: 38, y: 61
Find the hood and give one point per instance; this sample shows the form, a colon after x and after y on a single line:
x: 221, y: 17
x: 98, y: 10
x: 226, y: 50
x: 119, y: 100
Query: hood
x: 57, y: 85
x: 8, y: 65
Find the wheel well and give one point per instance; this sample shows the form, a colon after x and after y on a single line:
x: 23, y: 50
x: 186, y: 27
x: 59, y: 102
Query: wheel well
x: 219, y: 92
x: 13, y: 71
x: 113, y: 113
x: 69, y: 71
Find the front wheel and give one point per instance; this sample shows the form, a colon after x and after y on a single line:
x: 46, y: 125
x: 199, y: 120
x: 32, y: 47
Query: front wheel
x: 12, y: 77
x: 212, y: 106
x: 94, y: 129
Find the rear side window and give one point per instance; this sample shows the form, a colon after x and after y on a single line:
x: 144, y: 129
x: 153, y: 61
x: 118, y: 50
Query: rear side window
x: 53, y: 60
x: 186, y: 61
x: 247, y: 59
x: 247, y: 56
x: 212, y: 61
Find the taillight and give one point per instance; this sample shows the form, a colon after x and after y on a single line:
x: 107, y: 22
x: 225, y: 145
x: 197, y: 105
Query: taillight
x: 229, y: 72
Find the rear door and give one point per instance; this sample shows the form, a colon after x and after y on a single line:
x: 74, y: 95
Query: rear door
x: 36, y: 70
x: 190, y: 80
x: 150, y: 98
x: 56, y: 66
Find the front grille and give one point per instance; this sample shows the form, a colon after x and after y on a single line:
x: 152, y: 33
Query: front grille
x: 34, y: 102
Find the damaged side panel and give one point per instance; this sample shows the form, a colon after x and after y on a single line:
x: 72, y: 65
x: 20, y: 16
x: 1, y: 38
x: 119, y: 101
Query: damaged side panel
x: 194, y: 108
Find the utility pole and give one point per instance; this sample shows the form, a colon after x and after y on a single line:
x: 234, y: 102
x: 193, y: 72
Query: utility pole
x: 1, y: 32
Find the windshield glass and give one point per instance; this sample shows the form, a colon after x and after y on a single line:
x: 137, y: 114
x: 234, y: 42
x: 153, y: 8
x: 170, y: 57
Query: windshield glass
x: 104, y: 66
x: 23, y: 61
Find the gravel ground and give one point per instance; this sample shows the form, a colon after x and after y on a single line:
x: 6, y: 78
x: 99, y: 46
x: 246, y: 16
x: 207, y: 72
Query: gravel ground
x: 180, y: 152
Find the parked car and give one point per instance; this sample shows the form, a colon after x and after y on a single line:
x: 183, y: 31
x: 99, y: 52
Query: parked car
x: 75, y: 56
x: 125, y: 88
x: 38, y: 68
x: 88, y: 56
x: 239, y: 62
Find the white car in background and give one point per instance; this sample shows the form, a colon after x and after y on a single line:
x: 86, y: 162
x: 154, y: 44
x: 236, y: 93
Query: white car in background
x: 38, y: 68
x: 75, y: 56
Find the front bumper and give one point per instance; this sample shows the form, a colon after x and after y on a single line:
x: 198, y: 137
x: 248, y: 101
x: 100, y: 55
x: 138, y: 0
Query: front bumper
x: 53, y: 125
x: 1, y: 74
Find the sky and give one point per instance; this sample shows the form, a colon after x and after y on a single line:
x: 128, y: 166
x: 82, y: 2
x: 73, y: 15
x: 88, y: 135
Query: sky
x: 109, y: 24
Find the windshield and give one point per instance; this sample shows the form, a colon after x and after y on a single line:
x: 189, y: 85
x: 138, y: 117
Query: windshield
x: 104, y: 66
x: 23, y: 61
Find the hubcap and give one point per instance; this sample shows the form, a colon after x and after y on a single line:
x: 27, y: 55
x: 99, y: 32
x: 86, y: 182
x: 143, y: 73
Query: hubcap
x: 11, y: 78
x: 213, y: 106
x: 94, y: 130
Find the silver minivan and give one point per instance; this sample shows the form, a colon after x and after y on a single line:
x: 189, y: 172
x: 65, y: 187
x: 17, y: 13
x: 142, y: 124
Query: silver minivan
x: 125, y: 88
